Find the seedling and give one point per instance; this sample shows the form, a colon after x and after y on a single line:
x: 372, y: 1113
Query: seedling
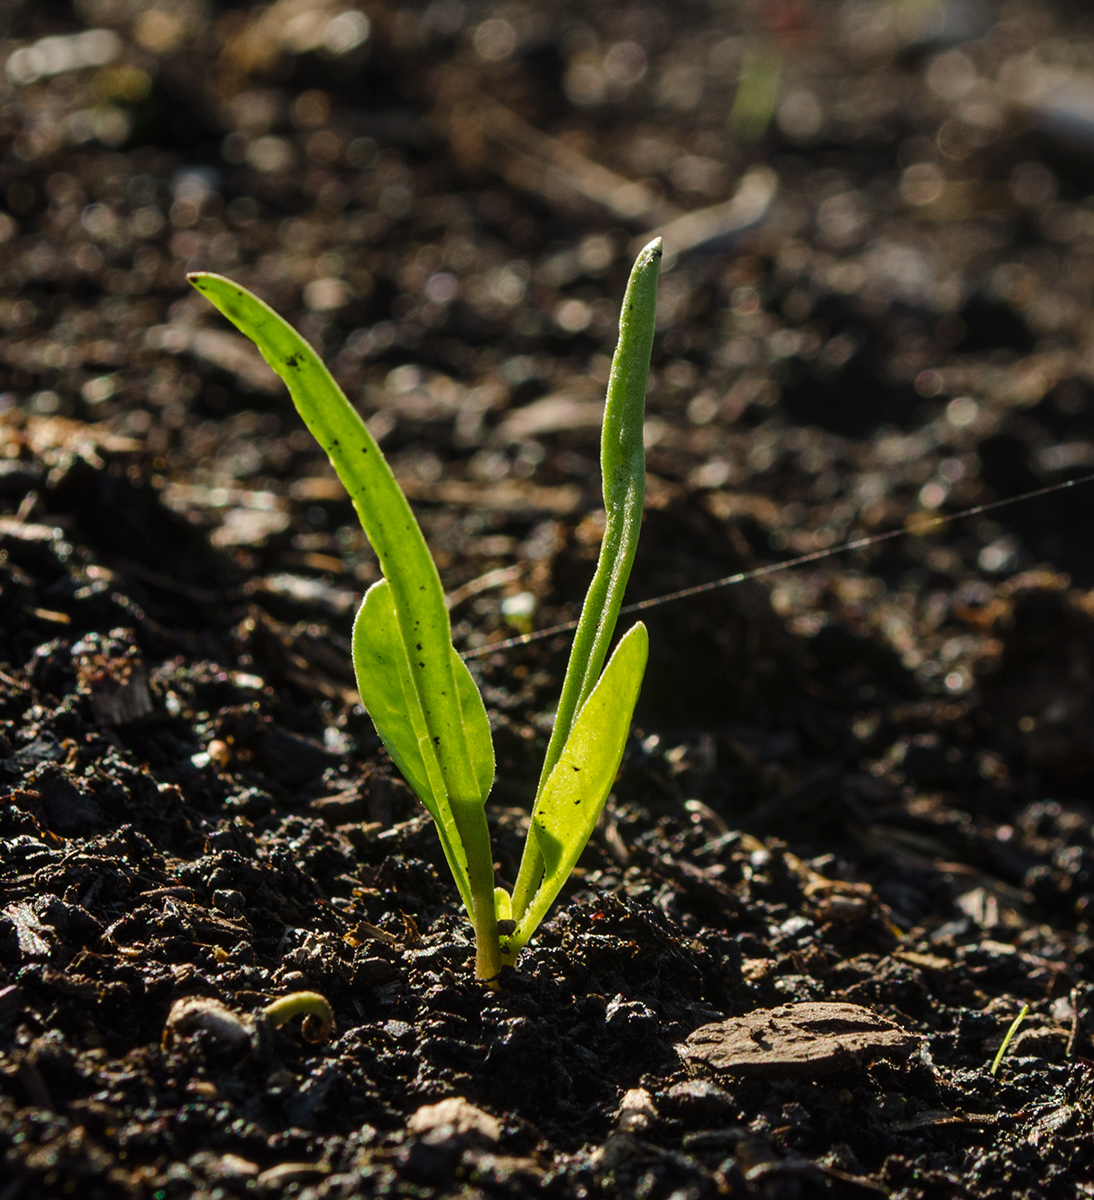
x: 193, y: 1013
x: 416, y: 688
x: 1014, y: 1025
x: 318, y: 1015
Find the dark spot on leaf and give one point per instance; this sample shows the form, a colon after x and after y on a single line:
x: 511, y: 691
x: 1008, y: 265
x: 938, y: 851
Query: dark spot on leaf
x: 292, y: 361
x: 418, y: 646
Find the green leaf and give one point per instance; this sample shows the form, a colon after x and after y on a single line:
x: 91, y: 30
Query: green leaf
x: 476, y: 725
x: 578, y: 786
x: 623, y: 467
x: 457, y: 770
x: 387, y: 692
x: 385, y: 515
x: 383, y: 680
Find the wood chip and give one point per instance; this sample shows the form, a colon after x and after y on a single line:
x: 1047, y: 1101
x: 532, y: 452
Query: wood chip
x: 717, y: 227
x: 550, y: 167
x: 228, y: 351
x: 795, y: 1039
x: 274, y: 1179
x: 11, y: 1002
x: 31, y: 933
x: 552, y: 414
x: 456, y: 1116
x: 935, y: 1118
x: 512, y: 495
x: 111, y: 673
x: 925, y: 962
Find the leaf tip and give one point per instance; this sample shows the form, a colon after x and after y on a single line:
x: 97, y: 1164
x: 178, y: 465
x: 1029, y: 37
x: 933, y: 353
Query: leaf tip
x: 652, y: 251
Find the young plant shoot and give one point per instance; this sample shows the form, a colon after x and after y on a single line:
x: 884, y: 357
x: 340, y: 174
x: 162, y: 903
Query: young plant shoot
x: 418, y: 691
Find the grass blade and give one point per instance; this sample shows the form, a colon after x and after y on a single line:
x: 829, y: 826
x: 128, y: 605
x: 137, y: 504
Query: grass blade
x: 1014, y: 1025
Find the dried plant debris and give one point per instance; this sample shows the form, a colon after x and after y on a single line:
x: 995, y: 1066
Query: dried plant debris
x: 112, y: 673
x: 796, y: 1040
x: 195, y: 1014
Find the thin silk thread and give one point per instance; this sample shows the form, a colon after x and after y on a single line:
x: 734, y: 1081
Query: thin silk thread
x: 920, y: 526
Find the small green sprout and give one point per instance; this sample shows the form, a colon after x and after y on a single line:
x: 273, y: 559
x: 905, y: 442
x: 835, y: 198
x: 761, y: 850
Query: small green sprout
x: 1014, y: 1026
x: 318, y: 1015
x: 416, y: 688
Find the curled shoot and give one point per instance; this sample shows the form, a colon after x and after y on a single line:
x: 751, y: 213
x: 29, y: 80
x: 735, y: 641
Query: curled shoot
x: 318, y: 1015
x: 418, y: 691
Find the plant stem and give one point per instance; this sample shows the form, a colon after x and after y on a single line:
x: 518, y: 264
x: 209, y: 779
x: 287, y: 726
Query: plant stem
x: 475, y: 835
x: 623, y: 465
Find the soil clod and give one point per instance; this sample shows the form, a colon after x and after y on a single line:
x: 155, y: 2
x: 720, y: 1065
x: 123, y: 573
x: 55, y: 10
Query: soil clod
x: 796, y: 1039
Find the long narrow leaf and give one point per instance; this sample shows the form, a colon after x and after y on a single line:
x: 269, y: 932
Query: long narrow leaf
x: 441, y: 690
x: 623, y: 466
x: 385, y: 515
x: 578, y: 786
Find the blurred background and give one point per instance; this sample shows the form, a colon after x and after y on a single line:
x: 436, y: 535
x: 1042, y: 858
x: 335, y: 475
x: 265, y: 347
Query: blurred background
x: 876, y: 305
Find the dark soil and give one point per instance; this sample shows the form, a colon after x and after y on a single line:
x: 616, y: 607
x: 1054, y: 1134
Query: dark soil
x: 865, y: 782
